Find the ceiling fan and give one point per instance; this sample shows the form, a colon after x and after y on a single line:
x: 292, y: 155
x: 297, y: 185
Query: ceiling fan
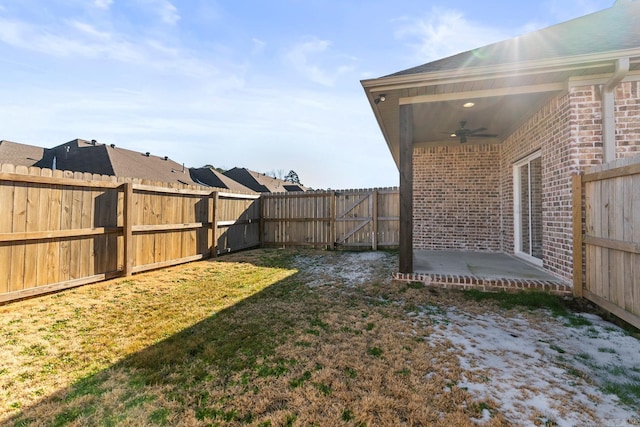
x: 463, y: 133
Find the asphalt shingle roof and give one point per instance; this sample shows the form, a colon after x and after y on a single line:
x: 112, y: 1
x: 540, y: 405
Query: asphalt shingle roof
x: 20, y: 154
x: 260, y: 182
x: 213, y: 178
x: 613, y: 29
x: 84, y: 156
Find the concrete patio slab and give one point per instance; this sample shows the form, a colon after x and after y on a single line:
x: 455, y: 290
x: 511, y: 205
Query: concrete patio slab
x: 479, y: 264
x: 480, y: 270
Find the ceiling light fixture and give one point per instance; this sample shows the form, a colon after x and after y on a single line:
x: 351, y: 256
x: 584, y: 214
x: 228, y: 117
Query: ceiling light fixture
x: 380, y: 98
x: 468, y: 104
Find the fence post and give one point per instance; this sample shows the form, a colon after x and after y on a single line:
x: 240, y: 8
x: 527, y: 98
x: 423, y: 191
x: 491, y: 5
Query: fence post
x: 128, y: 228
x: 332, y: 220
x: 374, y: 214
x: 261, y: 221
x: 577, y: 235
x: 214, y: 224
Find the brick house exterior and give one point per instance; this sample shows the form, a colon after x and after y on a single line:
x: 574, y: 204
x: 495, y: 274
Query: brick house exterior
x: 545, y: 121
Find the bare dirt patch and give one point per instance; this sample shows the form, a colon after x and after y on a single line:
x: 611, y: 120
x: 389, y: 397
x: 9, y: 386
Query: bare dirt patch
x: 279, y: 337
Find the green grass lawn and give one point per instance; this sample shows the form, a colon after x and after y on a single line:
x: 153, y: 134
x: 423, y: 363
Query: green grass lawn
x: 261, y: 338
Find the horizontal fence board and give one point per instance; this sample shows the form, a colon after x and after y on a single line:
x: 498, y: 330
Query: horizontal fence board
x: 66, y: 181
x: 168, y: 263
x: 167, y: 227
x: 39, y: 290
x: 625, y: 315
x: 59, y: 234
x: 613, y: 244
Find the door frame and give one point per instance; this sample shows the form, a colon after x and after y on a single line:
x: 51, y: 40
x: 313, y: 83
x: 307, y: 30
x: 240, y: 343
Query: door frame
x: 517, y: 209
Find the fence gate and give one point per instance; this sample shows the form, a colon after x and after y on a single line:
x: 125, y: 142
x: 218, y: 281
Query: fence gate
x: 354, y: 219
x: 607, y: 238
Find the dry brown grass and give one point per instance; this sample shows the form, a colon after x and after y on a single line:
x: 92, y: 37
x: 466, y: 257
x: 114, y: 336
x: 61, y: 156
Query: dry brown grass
x: 265, y: 337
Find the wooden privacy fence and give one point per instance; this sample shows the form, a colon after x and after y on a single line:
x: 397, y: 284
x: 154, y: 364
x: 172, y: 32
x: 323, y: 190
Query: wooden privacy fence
x: 347, y: 218
x: 607, y: 256
x: 60, y: 229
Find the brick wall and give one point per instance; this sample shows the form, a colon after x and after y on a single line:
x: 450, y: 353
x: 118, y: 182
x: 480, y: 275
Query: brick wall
x: 463, y: 201
x: 628, y: 119
x: 457, y: 198
x: 548, y: 131
x: 586, y: 123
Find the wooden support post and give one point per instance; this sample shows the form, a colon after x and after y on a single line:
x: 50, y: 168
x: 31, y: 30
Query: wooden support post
x: 577, y: 235
x: 128, y: 228
x: 406, y: 189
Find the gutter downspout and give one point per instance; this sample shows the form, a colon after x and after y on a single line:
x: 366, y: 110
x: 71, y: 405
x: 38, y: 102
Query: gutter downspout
x: 608, y: 110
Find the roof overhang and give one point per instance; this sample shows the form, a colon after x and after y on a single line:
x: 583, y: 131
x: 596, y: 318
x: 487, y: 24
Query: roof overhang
x: 504, y: 96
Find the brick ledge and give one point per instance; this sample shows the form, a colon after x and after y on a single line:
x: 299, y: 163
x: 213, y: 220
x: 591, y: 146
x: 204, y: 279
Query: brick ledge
x: 460, y: 282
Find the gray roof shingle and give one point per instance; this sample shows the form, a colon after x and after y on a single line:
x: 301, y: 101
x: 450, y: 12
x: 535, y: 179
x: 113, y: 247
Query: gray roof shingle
x: 613, y: 29
x: 20, y: 154
x: 84, y: 156
x: 213, y: 178
x: 260, y: 182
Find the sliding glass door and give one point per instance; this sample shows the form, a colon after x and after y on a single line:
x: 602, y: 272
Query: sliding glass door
x: 527, y: 185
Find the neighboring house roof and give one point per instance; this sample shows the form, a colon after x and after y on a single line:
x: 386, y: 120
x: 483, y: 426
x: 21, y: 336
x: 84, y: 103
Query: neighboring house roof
x: 89, y: 156
x: 612, y: 29
x: 293, y: 187
x: 261, y: 182
x: 506, y: 82
x: 20, y: 154
x: 213, y: 178
x: 80, y: 155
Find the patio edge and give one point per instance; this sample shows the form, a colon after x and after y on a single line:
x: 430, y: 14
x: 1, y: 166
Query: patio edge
x: 466, y: 282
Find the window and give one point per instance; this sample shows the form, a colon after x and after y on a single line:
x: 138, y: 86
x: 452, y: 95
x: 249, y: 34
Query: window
x: 527, y: 211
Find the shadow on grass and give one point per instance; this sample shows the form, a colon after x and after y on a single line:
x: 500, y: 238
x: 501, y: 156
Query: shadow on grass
x: 242, y: 337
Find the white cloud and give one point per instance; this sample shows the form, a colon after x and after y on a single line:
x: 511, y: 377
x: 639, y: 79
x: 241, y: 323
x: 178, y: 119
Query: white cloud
x: 89, y: 30
x: 52, y: 41
x: 82, y: 40
x: 102, y: 4
x: 305, y: 57
x: 258, y: 45
x: 444, y: 33
x: 164, y: 9
x: 168, y: 12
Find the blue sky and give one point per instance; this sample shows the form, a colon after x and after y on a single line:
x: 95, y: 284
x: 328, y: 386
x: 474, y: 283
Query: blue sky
x: 268, y: 85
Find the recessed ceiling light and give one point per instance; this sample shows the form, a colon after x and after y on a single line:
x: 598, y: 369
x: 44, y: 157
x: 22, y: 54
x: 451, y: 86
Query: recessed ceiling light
x: 468, y: 104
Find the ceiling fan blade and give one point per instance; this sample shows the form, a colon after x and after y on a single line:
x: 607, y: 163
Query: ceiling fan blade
x: 484, y: 135
x: 462, y: 133
x: 471, y: 132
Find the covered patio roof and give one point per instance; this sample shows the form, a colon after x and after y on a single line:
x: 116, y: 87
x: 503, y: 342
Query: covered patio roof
x: 494, y: 89
x: 507, y: 82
